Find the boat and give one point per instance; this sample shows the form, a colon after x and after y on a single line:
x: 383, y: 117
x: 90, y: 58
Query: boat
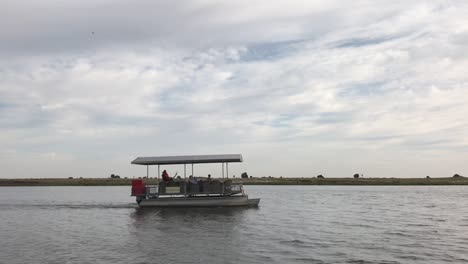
x: 183, y: 192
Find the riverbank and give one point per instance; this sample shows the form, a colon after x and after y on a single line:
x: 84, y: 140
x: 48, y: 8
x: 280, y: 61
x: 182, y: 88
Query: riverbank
x: 250, y: 181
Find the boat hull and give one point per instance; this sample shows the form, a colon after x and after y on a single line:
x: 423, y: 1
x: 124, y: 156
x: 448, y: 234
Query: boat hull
x: 200, y: 201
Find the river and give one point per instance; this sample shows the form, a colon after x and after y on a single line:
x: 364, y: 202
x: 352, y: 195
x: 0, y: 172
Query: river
x: 293, y: 224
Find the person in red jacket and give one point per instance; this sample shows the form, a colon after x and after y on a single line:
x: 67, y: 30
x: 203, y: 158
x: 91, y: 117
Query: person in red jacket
x: 165, y: 176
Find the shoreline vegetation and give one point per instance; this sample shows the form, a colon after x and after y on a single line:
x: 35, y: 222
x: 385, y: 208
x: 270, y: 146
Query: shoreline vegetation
x: 250, y: 181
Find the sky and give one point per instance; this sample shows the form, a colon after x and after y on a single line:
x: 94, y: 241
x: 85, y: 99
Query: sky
x: 299, y: 88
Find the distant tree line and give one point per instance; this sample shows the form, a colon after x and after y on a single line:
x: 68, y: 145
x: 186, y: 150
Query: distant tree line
x: 244, y: 175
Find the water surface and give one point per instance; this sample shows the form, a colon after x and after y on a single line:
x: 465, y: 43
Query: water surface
x: 294, y: 224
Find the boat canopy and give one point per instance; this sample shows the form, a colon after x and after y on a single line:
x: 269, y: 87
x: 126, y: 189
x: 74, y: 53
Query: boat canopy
x: 192, y: 159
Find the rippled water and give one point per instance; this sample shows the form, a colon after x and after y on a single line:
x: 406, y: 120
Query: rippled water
x: 294, y: 224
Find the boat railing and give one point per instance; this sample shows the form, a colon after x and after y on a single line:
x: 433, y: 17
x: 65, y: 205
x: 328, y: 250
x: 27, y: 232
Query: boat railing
x: 213, y: 187
x: 152, y: 190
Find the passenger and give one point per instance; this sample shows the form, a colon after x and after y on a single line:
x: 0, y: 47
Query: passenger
x: 209, y: 177
x: 192, y: 180
x: 176, y: 178
x: 192, y: 185
x: 200, y: 181
x: 165, y: 176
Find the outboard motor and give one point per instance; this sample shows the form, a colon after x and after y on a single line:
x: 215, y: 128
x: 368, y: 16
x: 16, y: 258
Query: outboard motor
x: 138, y: 190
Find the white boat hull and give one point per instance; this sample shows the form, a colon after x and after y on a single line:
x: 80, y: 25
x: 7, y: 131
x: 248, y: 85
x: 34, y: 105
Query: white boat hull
x: 199, y: 201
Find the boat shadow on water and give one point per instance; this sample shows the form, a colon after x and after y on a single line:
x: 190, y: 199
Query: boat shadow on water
x: 184, y: 215
x: 198, y: 231
x: 190, y: 211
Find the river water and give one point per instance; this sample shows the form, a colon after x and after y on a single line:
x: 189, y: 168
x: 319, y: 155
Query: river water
x: 293, y: 224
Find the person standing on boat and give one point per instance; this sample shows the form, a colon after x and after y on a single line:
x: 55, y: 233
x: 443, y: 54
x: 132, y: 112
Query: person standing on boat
x: 165, y: 176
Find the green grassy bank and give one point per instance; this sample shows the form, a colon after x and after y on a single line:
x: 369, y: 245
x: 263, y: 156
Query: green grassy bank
x: 250, y: 181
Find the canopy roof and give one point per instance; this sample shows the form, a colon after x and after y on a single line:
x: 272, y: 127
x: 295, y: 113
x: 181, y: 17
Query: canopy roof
x: 188, y: 159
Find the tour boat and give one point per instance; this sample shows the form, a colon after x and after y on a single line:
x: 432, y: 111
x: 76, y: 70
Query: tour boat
x: 196, y: 192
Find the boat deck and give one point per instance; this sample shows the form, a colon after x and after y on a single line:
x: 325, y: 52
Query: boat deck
x: 200, y: 201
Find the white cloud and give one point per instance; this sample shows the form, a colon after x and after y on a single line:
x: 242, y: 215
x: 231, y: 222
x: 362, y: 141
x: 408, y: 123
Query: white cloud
x: 312, y: 83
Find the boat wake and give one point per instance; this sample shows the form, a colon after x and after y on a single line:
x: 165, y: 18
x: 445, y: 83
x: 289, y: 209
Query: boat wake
x: 4, y: 206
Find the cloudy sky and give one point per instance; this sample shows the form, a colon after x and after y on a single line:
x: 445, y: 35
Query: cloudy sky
x: 300, y: 88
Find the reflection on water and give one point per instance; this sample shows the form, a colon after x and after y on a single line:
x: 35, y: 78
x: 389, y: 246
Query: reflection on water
x: 184, y: 235
x: 294, y: 224
x: 197, y: 214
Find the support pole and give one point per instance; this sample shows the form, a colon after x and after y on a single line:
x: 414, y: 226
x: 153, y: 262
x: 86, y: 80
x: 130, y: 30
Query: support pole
x: 222, y: 169
x: 193, y: 175
x: 147, y: 174
x: 185, y: 179
x: 159, y: 173
x: 227, y: 170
